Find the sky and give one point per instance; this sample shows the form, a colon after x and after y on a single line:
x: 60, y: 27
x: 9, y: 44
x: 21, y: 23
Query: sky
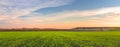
x: 60, y: 14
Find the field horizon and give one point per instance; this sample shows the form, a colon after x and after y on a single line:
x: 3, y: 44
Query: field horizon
x: 59, y: 23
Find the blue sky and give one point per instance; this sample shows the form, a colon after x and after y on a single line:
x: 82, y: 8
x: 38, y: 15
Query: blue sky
x: 81, y: 5
x: 59, y: 13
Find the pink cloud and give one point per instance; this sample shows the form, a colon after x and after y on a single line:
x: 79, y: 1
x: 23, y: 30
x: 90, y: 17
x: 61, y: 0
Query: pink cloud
x: 112, y: 18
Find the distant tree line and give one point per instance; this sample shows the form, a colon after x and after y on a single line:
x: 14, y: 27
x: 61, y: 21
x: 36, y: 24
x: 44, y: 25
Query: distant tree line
x: 73, y: 29
x: 96, y: 28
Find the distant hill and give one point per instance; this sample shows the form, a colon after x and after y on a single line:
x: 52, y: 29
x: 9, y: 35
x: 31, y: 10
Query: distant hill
x: 96, y: 28
x: 73, y: 29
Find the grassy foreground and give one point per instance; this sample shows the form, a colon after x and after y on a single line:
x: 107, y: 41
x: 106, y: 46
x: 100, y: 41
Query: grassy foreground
x: 60, y: 39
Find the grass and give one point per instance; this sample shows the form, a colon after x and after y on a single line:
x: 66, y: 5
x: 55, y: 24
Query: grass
x: 60, y: 39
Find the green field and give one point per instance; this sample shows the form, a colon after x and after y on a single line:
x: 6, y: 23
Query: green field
x: 60, y: 39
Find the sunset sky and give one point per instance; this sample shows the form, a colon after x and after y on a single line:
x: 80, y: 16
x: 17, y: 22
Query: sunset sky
x: 59, y: 13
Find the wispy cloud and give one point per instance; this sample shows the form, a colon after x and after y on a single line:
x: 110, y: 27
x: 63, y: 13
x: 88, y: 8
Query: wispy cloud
x: 98, y: 17
x: 93, y: 14
x: 21, y: 14
x: 16, y: 8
